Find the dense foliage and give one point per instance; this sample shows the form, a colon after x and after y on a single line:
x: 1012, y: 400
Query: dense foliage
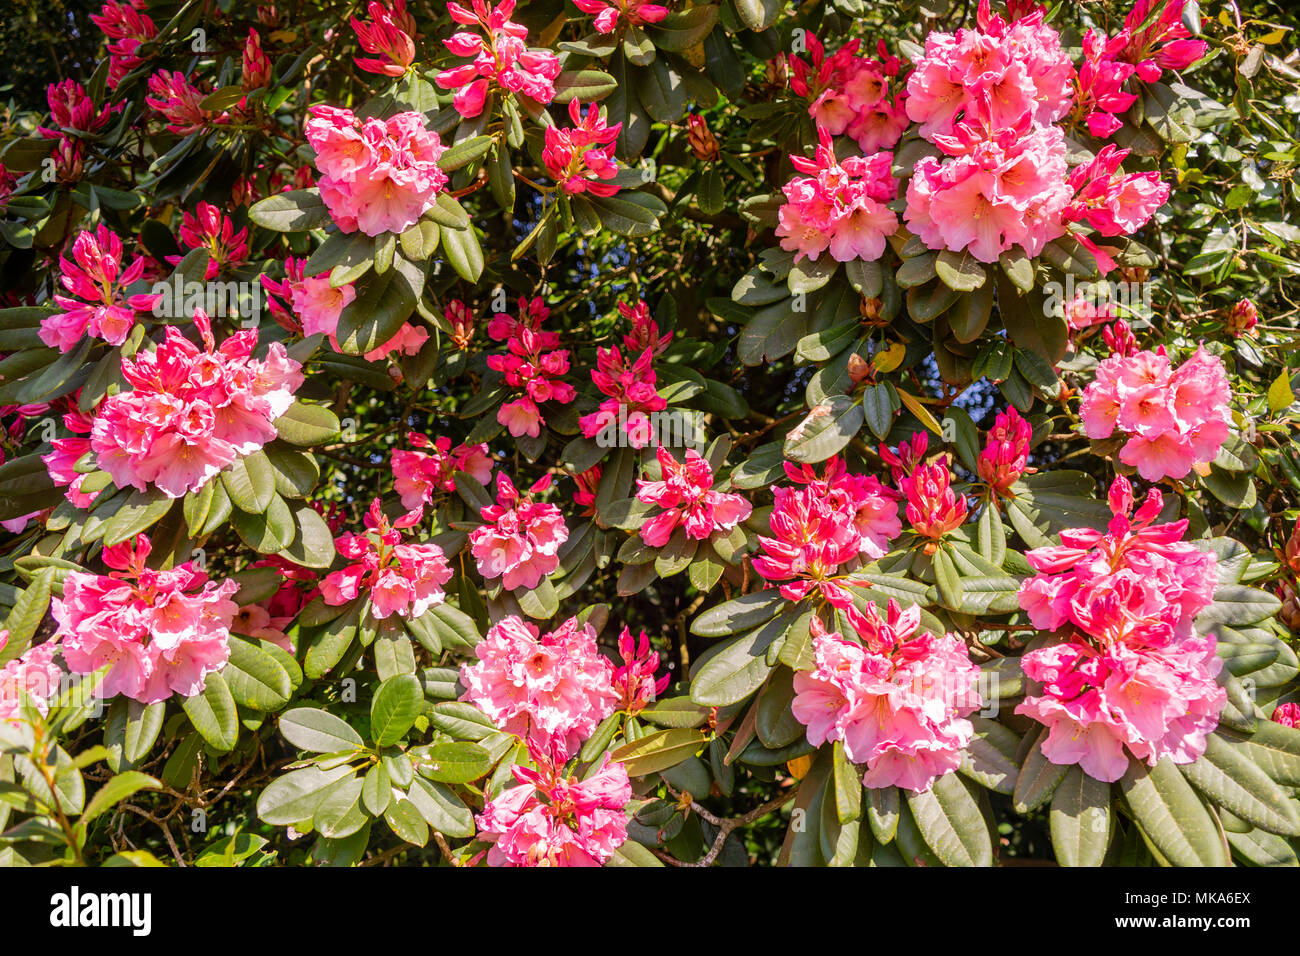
x: 603, y: 432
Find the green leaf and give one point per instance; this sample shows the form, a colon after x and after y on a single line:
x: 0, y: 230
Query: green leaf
x: 1171, y: 815
x: 659, y: 751
x: 1082, y: 819
x: 213, y: 714
x: 141, y: 511
x: 383, y: 303
x: 828, y: 427
x: 396, y: 704
x: 463, y: 252
x: 295, y: 211
x: 1226, y: 774
x: 1038, y: 779
x: 465, y: 152
x: 737, y: 615
x: 313, y: 542
x: 250, y: 482
x: 317, y: 731
x: 847, y: 785
x: 441, y: 809
x: 452, y: 762
x: 960, y: 271
x: 255, y: 678
x: 680, y: 31
x: 113, y: 792
x: 293, y: 798
x: 951, y: 822
x: 304, y: 425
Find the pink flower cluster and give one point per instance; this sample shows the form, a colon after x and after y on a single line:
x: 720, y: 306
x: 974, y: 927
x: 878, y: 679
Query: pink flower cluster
x: 990, y: 99
x: 127, y: 28
x: 1003, y: 459
x: 552, y: 689
x: 401, y: 577
x: 35, y: 675
x: 634, y: 680
x: 841, y: 206
x: 580, y: 157
x: 161, y: 632
x: 501, y: 57
x: 557, y: 820
x: 1175, y: 418
x: 72, y: 109
x: 419, y: 475
x: 1112, y: 202
x: 1135, y: 580
x: 851, y: 94
x: 1161, y: 42
x: 190, y: 412
x: 823, y: 523
x: 521, y: 539
x: 1132, y: 674
x: 933, y: 508
x: 318, y: 306
x: 898, y: 703
x: 1288, y: 715
x: 685, y: 492
x: 179, y: 102
x: 634, y: 13
x: 533, y: 362
x: 98, y: 305
x: 991, y: 76
x: 378, y: 175
x: 629, y: 387
x: 389, y: 35
x: 211, y: 229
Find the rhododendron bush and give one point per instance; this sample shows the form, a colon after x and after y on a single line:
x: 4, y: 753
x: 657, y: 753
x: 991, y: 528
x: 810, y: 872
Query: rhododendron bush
x: 616, y: 433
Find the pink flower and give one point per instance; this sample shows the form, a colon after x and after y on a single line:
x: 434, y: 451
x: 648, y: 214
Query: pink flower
x: 841, y: 207
x: 211, y: 229
x: 71, y: 109
x: 1138, y: 580
x: 1288, y: 715
x: 933, y: 508
x: 1003, y: 458
x: 1113, y: 203
x: 422, y: 474
x: 850, y: 94
x: 402, y: 577
x: 1153, y: 701
x: 377, y: 175
x: 532, y: 362
x: 897, y: 703
x: 553, y: 689
x: 172, y: 95
x: 555, y: 820
x: 1242, y: 319
x: 1176, y: 419
x: 127, y: 28
x: 685, y: 492
x: 1159, y: 41
x: 390, y: 34
x: 61, y: 462
x: 191, y: 412
x: 35, y: 676
x: 580, y: 157
x: 521, y: 540
x: 825, y: 523
x: 98, y: 305
x: 634, y: 680
x: 634, y: 13
x: 256, y: 64
x: 501, y: 59
x: 632, y: 396
x: 160, y: 632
